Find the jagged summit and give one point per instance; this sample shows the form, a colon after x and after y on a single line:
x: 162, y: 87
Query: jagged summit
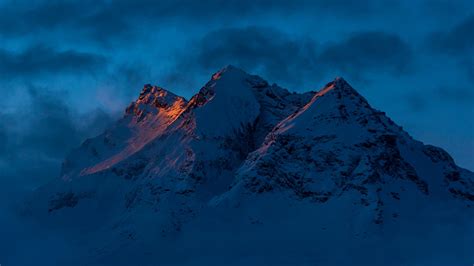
x: 251, y: 158
x: 228, y: 70
x: 152, y: 99
x: 226, y: 81
x: 155, y: 94
x: 339, y: 85
x: 340, y: 81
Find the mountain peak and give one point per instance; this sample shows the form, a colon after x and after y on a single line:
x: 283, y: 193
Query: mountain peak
x: 228, y: 70
x: 228, y: 82
x: 339, y: 84
x: 151, y: 91
x: 152, y: 98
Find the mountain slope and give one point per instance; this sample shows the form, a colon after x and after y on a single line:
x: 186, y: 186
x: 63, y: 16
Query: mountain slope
x: 338, y: 144
x: 245, y: 161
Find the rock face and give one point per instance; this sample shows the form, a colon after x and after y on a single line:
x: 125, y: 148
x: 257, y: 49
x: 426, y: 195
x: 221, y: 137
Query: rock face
x: 252, y: 158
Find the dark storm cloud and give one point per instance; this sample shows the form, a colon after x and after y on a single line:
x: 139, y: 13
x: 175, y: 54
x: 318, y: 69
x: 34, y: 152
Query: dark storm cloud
x: 37, y: 137
x: 295, y: 60
x: 457, y: 41
x: 54, y: 127
x: 448, y: 94
x: 457, y: 95
x: 39, y: 60
x: 261, y: 49
x: 27, y: 17
x: 129, y: 78
x: 104, y: 19
x: 369, y: 51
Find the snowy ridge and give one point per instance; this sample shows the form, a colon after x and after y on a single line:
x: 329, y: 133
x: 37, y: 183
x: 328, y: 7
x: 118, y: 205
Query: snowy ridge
x: 246, y: 156
x: 334, y: 144
x: 144, y: 120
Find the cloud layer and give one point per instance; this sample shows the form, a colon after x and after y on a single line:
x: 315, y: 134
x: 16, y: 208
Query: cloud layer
x: 36, y: 138
x: 39, y: 60
x: 295, y: 61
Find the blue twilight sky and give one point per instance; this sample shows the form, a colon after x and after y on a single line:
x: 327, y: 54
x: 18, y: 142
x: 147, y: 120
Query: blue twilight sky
x: 69, y: 68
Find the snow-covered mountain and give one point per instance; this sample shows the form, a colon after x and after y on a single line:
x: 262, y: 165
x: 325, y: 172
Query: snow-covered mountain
x: 249, y: 173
